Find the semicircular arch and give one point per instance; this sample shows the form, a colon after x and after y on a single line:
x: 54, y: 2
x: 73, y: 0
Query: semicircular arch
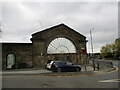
x: 61, y: 45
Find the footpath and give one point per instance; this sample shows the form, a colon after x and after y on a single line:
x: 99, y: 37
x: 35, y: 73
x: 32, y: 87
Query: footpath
x: 44, y: 72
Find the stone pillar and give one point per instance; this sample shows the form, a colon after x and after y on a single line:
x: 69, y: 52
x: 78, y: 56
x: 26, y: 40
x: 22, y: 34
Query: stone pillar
x: 39, y: 54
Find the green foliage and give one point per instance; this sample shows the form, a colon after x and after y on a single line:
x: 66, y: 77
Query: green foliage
x: 117, y: 42
x: 111, y: 50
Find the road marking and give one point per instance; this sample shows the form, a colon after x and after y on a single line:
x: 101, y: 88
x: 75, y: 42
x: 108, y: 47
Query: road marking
x: 112, y: 80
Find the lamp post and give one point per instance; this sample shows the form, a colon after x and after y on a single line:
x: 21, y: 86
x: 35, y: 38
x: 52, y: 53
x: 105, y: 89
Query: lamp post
x: 91, y: 40
x: 92, y: 47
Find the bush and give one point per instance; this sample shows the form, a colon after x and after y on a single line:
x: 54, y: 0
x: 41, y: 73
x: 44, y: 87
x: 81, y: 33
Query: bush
x: 22, y: 65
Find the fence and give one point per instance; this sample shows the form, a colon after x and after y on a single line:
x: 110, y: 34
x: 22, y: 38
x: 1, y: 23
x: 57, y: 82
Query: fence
x: 98, y: 64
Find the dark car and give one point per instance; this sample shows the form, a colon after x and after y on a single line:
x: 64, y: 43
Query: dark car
x: 64, y: 66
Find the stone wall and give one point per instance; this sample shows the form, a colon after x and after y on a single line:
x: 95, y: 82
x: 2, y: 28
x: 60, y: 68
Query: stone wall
x: 35, y: 54
x: 22, y: 51
x: 41, y: 41
x: 72, y: 57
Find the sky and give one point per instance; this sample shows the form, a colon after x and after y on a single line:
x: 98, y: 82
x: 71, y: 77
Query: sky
x: 19, y: 20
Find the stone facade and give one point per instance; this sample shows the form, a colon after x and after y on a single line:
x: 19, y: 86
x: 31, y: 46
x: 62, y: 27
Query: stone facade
x: 22, y: 52
x: 35, y: 54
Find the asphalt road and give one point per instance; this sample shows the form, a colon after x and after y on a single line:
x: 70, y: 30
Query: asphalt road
x: 107, y: 80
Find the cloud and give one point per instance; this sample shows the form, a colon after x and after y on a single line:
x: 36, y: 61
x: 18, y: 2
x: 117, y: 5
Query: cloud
x: 21, y: 19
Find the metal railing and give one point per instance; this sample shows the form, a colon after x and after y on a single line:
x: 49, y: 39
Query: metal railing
x: 97, y: 64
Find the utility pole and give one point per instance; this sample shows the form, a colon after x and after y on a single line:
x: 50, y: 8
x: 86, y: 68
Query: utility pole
x: 92, y: 47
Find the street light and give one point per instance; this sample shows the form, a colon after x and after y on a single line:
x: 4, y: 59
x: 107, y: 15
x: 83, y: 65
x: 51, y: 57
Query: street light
x: 92, y: 47
x: 91, y: 40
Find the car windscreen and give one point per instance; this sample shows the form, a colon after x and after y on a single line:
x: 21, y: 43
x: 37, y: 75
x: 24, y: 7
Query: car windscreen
x: 68, y: 63
x: 59, y: 63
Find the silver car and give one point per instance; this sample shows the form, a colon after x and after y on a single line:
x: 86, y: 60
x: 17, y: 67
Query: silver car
x: 49, y: 63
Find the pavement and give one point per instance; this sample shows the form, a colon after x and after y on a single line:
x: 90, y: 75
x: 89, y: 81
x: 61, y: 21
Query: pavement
x: 44, y: 72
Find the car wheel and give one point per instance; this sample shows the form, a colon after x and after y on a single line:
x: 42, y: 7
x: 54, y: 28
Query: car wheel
x: 58, y: 69
x: 77, y: 69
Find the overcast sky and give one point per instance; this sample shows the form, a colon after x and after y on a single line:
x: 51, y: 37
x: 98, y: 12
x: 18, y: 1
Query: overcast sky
x: 21, y: 19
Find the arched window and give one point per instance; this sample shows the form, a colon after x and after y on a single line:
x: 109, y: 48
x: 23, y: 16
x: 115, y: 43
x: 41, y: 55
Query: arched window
x: 61, y: 45
x: 10, y: 60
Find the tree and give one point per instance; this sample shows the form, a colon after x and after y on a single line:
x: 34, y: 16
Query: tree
x: 111, y: 50
x: 117, y: 43
x: 106, y: 51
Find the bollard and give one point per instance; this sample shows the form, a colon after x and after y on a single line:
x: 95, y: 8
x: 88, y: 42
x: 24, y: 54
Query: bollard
x: 98, y: 66
x: 94, y: 65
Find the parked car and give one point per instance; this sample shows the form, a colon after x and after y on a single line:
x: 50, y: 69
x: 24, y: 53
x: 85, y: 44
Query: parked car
x: 64, y: 66
x: 49, y: 63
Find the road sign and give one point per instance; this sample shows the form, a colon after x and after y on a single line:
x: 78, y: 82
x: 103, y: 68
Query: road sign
x: 84, y: 51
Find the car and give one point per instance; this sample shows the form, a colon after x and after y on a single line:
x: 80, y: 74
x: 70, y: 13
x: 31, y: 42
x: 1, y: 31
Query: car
x: 48, y: 65
x: 64, y: 66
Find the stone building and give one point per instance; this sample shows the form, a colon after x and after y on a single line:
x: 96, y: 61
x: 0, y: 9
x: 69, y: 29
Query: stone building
x: 36, y: 54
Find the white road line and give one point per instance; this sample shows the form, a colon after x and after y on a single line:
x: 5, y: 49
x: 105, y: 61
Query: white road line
x: 112, y: 80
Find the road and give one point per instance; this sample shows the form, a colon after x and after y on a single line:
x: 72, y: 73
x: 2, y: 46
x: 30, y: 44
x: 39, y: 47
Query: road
x: 107, y: 80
